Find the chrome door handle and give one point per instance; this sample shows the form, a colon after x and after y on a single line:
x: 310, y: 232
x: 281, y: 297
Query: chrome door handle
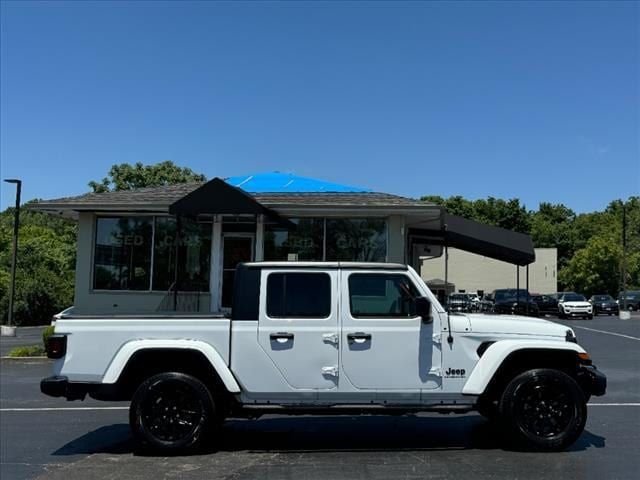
x: 281, y: 337
x: 358, y: 337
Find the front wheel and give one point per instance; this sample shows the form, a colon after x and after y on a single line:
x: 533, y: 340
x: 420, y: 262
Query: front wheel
x: 171, y: 412
x: 543, y: 409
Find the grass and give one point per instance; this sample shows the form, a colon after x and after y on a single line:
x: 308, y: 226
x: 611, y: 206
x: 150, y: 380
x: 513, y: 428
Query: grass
x: 29, y: 351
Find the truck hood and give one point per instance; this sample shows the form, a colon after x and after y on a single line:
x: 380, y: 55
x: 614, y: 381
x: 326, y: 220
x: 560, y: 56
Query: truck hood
x: 515, y: 325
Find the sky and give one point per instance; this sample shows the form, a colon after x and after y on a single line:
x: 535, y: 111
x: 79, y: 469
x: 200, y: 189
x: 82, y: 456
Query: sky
x: 537, y: 101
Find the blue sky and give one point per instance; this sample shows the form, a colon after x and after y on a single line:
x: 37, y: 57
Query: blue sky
x: 538, y: 101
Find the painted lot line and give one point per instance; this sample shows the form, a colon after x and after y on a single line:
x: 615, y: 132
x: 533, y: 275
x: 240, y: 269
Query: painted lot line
x: 75, y: 409
x: 607, y: 333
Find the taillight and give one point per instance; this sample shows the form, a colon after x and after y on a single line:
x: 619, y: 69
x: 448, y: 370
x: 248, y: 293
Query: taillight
x: 56, y: 346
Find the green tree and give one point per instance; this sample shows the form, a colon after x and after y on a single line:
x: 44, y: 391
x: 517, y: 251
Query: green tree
x: 46, y: 266
x: 127, y: 177
x: 509, y: 214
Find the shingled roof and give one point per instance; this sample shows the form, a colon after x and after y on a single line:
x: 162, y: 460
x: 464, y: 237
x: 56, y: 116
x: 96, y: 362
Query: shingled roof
x: 160, y: 198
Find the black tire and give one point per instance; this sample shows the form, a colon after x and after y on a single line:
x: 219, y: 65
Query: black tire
x: 590, y: 317
x: 543, y: 410
x: 171, y: 412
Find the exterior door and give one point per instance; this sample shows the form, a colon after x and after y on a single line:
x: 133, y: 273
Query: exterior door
x: 384, y: 344
x: 298, y: 326
x: 236, y: 248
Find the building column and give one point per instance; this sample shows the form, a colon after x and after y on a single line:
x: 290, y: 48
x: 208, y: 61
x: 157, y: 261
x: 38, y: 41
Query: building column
x: 215, y: 273
x: 259, y: 245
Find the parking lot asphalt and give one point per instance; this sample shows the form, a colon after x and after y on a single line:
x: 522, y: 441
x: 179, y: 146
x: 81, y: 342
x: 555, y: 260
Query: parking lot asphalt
x: 38, y: 439
x: 24, y: 336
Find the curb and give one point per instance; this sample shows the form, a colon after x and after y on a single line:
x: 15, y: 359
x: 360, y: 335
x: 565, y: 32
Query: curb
x: 24, y: 358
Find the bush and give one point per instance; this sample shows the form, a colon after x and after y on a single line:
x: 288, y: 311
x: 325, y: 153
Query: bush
x: 30, y: 351
x: 46, y: 333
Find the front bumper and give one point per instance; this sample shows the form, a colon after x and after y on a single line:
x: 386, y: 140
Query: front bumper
x: 592, y: 380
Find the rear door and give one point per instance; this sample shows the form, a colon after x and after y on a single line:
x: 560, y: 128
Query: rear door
x: 384, y: 344
x: 298, y: 325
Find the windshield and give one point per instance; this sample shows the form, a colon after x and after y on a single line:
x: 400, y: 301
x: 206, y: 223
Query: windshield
x: 573, y: 297
x: 603, y: 298
x: 457, y: 296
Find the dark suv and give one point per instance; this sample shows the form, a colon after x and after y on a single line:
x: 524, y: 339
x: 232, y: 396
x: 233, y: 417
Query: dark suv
x: 604, y: 304
x: 633, y: 300
x: 546, y: 303
x: 514, y: 301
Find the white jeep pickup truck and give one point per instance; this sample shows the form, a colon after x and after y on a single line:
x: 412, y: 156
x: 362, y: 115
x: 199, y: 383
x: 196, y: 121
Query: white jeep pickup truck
x: 326, y: 338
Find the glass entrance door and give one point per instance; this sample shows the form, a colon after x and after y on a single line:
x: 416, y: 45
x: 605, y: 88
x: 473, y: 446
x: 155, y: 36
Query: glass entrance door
x: 236, y: 248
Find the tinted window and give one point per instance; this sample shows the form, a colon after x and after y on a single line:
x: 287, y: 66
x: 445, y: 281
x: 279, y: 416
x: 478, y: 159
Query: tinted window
x: 382, y: 295
x: 122, y: 255
x: 305, y: 242
x: 357, y: 239
x: 194, y: 254
x: 298, y: 295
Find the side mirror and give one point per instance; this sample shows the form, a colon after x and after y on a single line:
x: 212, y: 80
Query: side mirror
x: 423, y: 309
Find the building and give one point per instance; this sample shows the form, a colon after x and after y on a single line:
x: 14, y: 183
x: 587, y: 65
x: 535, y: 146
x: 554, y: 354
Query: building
x: 469, y: 272
x: 175, y: 247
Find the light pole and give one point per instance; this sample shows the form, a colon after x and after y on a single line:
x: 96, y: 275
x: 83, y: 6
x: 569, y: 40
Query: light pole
x: 10, y: 330
x: 622, y: 308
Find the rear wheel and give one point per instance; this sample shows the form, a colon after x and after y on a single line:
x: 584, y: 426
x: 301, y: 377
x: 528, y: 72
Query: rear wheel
x: 543, y: 409
x: 171, y: 412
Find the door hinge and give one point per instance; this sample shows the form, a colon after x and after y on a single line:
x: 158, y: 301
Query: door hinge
x: 437, y: 371
x: 330, y: 338
x: 330, y: 371
x: 436, y: 338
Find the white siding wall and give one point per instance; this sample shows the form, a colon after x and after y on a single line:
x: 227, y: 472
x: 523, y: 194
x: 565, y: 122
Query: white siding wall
x: 471, y: 272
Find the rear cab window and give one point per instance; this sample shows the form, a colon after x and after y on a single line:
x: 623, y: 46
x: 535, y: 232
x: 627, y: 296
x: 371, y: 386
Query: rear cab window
x: 298, y: 295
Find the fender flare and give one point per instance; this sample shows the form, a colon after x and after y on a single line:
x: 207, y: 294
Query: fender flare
x: 125, y: 353
x: 498, y: 352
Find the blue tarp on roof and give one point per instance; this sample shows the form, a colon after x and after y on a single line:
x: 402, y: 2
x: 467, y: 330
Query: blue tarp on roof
x: 287, y: 182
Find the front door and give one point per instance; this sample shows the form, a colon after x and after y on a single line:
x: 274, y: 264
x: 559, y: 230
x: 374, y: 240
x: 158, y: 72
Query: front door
x: 384, y: 344
x: 298, y: 326
x: 236, y: 248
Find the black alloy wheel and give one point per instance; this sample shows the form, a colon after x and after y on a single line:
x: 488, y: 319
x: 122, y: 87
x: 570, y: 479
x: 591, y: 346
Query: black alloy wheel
x: 544, y: 409
x: 171, y: 412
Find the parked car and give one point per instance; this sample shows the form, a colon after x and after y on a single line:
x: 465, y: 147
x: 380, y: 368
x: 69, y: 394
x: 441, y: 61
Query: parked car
x: 58, y: 316
x: 458, y: 302
x: 604, y: 304
x: 633, y: 300
x: 546, y: 303
x: 486, y: 303
x: 326, y: 338
x: 514, y: 301
x: 571, y: 305
x: 474, y: 299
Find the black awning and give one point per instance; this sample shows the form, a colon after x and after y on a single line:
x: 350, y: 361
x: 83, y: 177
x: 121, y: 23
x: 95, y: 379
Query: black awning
x: 218, y: 197
x: 483, y: 239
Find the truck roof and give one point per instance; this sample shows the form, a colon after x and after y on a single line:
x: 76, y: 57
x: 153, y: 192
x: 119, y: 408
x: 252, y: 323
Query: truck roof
x: 327, y: 265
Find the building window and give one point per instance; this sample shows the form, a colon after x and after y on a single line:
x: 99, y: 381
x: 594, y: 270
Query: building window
x: 298, y: 295
x: 357, y: 240
x: 382, y: 295
x: 194, y: 255
x: 306, y: 242
x: 122, y: 256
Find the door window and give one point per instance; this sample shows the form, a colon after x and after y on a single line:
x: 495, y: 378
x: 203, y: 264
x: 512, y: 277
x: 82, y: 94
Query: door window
x: 382, y: 295
x: 298, y: 295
